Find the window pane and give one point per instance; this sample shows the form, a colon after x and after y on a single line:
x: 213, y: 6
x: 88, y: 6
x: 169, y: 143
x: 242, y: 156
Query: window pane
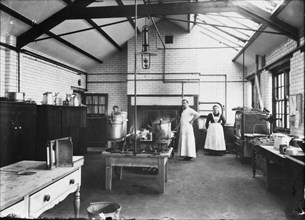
x: 103, y: 109
x: 95, y: 111
x: 102, y: 100
x: 95, y: 100
x: 88, y: 100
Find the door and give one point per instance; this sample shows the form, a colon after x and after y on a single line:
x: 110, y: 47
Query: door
x: 96, y: 119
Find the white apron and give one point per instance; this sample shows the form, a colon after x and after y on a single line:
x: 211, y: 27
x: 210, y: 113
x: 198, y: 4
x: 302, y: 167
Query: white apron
x: 186, y: 145
x: 215, y: 138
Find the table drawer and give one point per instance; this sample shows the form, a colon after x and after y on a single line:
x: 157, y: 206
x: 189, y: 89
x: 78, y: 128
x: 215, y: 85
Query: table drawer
x: 19, y: 209
x: 48, y: 197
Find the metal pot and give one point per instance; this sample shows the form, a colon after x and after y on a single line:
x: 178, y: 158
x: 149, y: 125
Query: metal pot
x: 114, y: 129
x: 161, y: 130
x: 47, y: 98
x: 15, y: 96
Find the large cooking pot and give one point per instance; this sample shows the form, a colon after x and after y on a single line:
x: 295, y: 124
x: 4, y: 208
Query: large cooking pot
x: 15, y: 96
x: 114, y: 129
x: 161, y: 129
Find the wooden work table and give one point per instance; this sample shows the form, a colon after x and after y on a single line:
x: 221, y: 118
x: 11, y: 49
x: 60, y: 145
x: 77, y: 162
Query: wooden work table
x: 28, y: 189
x: 291, y: 171
x: 138, y: 160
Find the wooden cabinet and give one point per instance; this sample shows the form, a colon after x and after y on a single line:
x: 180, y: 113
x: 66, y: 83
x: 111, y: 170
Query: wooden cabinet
x: 17, y: 132
x: 55, y: 122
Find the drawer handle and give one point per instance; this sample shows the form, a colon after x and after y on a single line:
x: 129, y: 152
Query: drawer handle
x: 46, y: 198
x: 72, y: 181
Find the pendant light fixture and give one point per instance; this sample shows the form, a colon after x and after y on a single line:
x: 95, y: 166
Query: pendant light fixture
x: 146, y: 54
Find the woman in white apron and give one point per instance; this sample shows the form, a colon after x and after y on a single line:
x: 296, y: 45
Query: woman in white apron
x: 186, y: 144
x: 215, y: 141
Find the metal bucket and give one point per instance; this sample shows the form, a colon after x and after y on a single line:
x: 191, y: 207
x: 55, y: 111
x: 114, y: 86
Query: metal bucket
x: 103, y: 210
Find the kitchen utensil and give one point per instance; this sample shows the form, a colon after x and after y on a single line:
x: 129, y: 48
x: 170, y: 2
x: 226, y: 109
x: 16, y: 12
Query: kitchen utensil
x: 15, y: 96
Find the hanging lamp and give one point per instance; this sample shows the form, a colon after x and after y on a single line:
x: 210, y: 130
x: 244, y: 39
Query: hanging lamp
x: 145, y: 53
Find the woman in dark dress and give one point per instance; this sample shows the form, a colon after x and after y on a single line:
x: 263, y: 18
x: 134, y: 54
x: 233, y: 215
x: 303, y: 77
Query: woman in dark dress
x: 215, y: 141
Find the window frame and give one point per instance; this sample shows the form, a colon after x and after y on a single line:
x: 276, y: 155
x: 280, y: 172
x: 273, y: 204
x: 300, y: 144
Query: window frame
x: 105, y: 104
x: 276, y: 73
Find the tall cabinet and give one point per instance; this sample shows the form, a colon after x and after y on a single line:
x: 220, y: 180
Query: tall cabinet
x: 61, y: 121
x: 17, y: 132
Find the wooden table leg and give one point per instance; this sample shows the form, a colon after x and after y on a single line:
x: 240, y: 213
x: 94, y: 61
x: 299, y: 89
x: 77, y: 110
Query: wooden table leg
x: 254, y: 160
x: 108, y: 182
x: 166, y: 168
x: 121, y: 173
x: 268, y: 174
x: 77, y: 202
x: 161, y: 174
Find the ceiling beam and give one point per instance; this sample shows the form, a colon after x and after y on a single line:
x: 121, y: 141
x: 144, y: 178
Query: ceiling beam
x: 250, y: 41
x: 100, y: 30
x: 220, y: 36
x: 132, y: 23
x: 30, y: 23
x: 261, y: 16
x: 219, y: 41
x: 49, y: 23
x: 151, y: 9
x: 228, y: 33
x: 281, y: 8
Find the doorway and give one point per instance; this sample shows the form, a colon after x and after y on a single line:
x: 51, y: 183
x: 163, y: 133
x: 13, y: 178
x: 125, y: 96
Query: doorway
x: 97, y: 106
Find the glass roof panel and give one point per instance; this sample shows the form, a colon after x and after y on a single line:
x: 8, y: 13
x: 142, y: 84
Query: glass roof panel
x: 267, y: 5
x: 232, y: 28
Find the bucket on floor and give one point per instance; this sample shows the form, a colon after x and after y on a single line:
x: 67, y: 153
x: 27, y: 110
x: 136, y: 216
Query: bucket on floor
x: 103, y: 210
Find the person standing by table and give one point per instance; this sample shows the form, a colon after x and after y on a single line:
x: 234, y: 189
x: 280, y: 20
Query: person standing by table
x: 215, y: 141
x: 186, y: 144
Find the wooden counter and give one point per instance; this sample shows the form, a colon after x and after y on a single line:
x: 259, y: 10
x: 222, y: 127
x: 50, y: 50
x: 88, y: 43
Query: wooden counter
x: 138, y: 160
x: 28, y: 189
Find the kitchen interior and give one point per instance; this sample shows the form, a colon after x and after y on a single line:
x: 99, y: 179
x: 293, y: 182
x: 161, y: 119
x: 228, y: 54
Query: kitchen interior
x: 65, y: 65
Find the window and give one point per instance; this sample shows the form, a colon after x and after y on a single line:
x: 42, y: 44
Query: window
x: 281, y: 99
x: 96, y: 104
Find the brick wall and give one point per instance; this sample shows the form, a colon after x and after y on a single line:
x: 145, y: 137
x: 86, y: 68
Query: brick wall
x: 296, y: 77
x: 190, y: 53
x: 36, y: 76
x: 9, y: 67
x: 110, y: 78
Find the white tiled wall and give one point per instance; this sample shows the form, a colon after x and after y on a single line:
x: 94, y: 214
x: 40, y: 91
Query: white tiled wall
x: 36, y: 76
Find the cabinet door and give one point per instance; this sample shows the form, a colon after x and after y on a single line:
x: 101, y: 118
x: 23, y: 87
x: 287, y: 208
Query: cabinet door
x: 48, y: 127
x: 26, y: 122
x: 8, y: 133
x: 17, y: 134
x: 74, y: 120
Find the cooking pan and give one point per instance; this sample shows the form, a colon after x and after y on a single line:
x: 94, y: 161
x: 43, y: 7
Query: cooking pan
x: 15, y: 96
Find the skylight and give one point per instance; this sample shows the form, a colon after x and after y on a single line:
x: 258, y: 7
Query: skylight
x: 267, y: 5
x: 231, y: 28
